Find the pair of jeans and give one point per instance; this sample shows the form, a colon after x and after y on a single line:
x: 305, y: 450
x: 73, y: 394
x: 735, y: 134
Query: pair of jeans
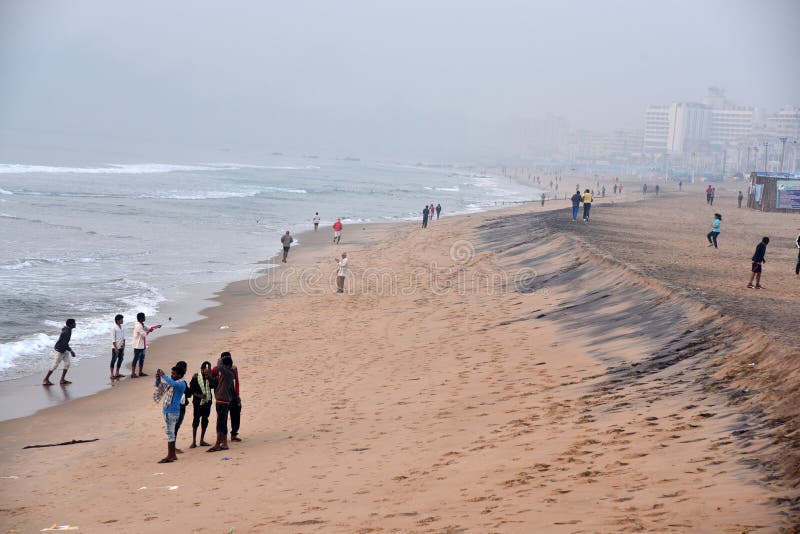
x: 586, y: 207
x: 222, y: 418
x: 236, y: 416
x: 713, y: 235
x: 575, y: 210
x: 116, y: 359
x: 138, y: 356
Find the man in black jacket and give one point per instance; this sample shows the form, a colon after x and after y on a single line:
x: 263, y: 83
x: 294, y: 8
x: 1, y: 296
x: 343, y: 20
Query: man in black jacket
x: 61, y: 348
x: 758, y: 260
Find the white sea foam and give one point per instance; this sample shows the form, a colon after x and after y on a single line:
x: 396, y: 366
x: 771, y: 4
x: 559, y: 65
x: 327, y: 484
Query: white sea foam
x: 5, y: 192
x: 136, y: 168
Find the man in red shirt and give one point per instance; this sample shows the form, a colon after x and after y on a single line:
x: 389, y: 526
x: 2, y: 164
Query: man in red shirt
x: 337, y: 231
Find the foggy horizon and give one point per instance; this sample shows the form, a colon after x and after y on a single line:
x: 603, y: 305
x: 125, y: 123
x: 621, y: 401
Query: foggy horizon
x: 94, y: 81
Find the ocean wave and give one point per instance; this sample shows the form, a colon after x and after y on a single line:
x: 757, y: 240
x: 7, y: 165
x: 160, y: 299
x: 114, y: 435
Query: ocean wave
x: 454, y: 189
x: 286, y: 190
x: 22, y: 263
x: 5, y: 192
x: 135, y: 168
x: 202, y: 195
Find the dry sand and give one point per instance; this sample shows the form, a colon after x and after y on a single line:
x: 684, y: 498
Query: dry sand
x: 501, y: 372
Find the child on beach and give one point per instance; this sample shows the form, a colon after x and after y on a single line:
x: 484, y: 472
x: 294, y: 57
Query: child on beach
x: 715, y: 228
x: 200, y: 392
x: 337, y: 231
x: 758, y: 259
x: 61, y: 349
x: 169, y: 390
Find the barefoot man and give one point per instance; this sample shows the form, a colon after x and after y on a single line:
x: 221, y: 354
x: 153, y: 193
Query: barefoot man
x: 117, y: 346
x: 62, y: 348
x: 341, y: 272
x: 140, y: 333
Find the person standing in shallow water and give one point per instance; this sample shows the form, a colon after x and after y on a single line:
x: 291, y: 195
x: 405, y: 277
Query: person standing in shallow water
x: 715, y: 229
x: 61, y: 349
x: 117, y: 346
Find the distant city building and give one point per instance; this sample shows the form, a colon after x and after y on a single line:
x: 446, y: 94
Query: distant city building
x: 656, y: 129
x: 786, y: 123
x: 729, y: 125
x: 688, y: 123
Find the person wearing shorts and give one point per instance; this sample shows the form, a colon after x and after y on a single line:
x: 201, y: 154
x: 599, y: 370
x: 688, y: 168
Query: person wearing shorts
x: 61, y: 357
x: 200, y: 392
x: 117, y: 346
x: 170, y: 390
x: 758, y: 259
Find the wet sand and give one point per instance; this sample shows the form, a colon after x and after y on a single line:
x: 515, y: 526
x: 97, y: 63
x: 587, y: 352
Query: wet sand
x: 500, y: 372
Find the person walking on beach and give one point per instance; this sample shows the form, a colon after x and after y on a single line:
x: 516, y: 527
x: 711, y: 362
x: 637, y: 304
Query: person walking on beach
x: 341, y: 272
x: 438, y: 211
x: 615, y: 189
x: 286, y: 241
x: 61, y: 349
x: 169, y: 390
x: 315, y: 220
x: 758, y: 260
x: 620, y: 189
x: 117, y: 346
x: 576, y: 204
x: 715, y: 229
x: 680, y: 185
x: 425, y: 213
x: 236, y: 403
x: 603, y: 191
x: 739, y: 198
x: 222, y: 378
x: 713, y: 194
x: 200, y: 393
x: 140, y: 333
x: 587, y: 205
x: 337, y: 231
x: 658, y: 189
x: 708, y: 194
x: 644, y: 190
x: 431, y: 211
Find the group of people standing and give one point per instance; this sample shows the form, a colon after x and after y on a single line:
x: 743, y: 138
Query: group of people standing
x: 218, y: 385
x: 428, y: 213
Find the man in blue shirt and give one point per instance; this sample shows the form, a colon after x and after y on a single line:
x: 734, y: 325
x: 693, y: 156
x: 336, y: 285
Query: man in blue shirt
x: 170, y: 392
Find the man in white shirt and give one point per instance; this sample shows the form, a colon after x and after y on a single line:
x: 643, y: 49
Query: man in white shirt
x: 117, y: 346
x: 341, y: 272
x: 316, y: 221
x: 140, y: 332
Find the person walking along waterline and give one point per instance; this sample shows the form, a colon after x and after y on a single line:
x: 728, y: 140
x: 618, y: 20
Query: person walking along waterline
x: 425, y: 213
x: 286, y: 241
x: 341, y: 272
x: 61, y: 349
x: 117, y: 346
x: 140, y: 333
x: 715, y: 229
x: 576, y: 204
x: 587, y: 205
x: 337, y: 231
x: 438, y: 211
x: 758, y: 260
x: 200, y: 391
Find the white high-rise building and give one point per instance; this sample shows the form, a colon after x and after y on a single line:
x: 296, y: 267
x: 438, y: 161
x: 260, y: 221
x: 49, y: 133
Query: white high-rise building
x: 688, y: 122
x: 656, y: 129
x: 731, y: 124
x: 786, y: 122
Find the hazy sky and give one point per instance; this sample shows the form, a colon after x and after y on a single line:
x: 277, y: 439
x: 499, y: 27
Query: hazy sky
x: 375, y: 78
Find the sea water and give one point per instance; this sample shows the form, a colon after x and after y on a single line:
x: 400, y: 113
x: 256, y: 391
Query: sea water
x: 89, y: 242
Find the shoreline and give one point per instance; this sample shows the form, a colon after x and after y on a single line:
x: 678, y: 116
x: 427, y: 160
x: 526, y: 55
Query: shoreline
x: 522, y: 396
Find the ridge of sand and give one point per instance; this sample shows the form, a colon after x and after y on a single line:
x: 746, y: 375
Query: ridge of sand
x: 484, y: 375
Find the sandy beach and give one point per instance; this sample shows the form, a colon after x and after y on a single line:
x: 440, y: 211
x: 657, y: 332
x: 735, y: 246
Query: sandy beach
x: 507, y: 371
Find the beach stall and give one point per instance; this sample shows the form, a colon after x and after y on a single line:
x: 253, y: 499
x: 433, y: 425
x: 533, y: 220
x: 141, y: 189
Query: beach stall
x: 774, y: 191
